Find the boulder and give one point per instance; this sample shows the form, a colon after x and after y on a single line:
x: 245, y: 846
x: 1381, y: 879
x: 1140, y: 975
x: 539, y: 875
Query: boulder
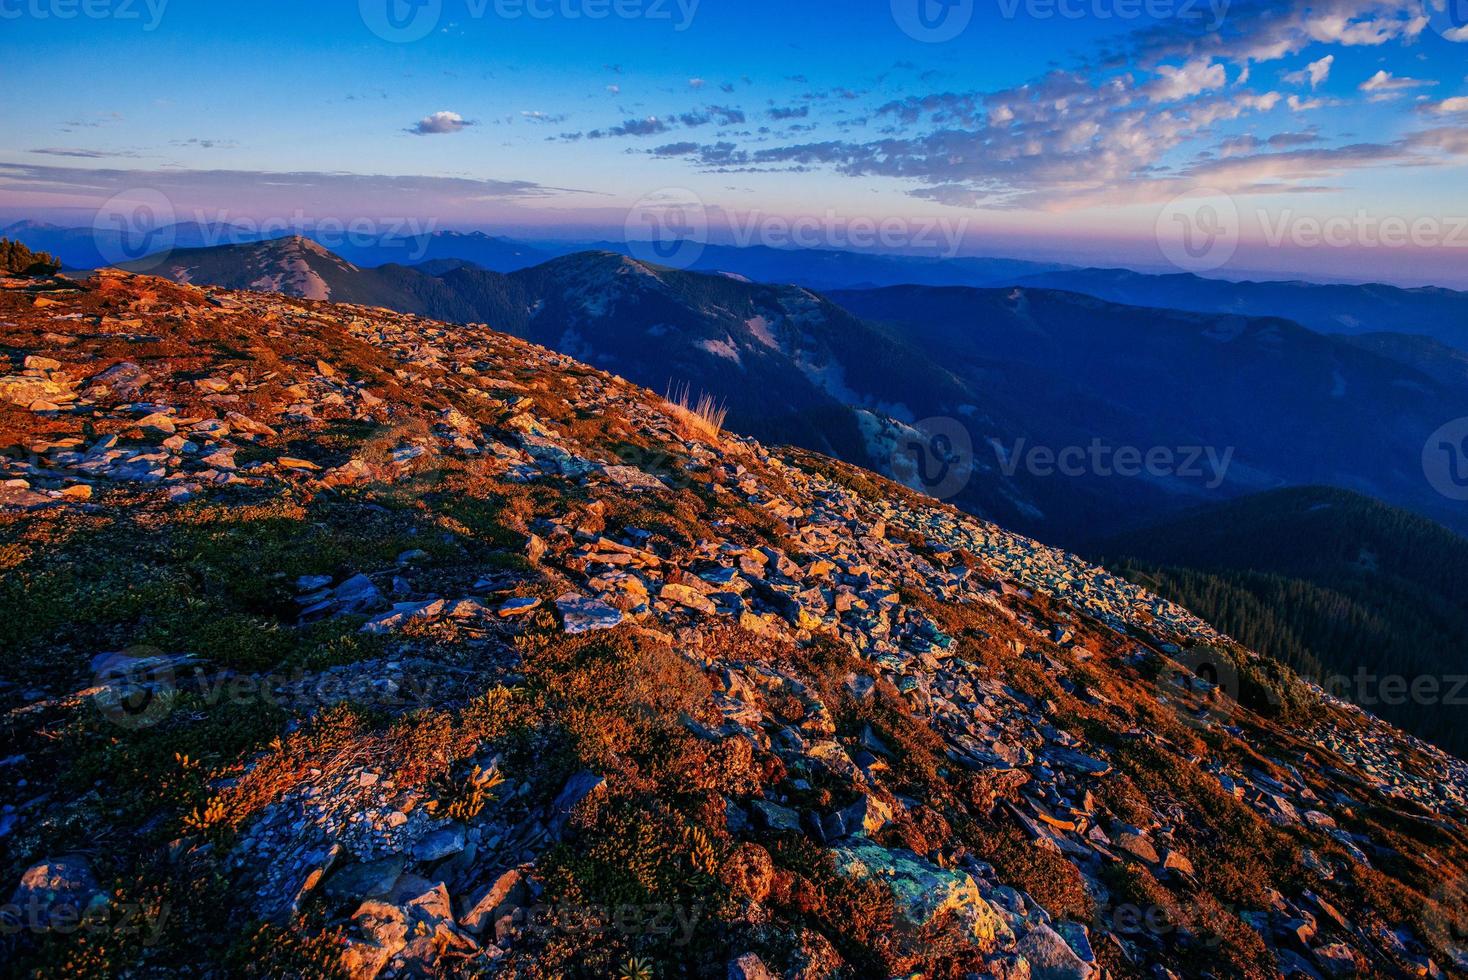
x: 489, y: 905
x: 749, y: 871
x: 922, y: 892
x: 57, y: 893
x: 1050, y: 957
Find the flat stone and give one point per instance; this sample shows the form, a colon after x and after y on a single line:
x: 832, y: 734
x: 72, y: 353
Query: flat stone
x: 440, y: 843
x: 1050, y: 956
x: 582, y: 615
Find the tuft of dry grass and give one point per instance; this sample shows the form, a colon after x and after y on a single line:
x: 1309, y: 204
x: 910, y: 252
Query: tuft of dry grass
x: 704, y: 417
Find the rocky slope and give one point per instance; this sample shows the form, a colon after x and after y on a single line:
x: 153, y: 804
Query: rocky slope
x: 344, y: 641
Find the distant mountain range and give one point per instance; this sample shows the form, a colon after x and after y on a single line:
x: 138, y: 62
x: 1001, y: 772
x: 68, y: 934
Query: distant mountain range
x: 1441, y: 314
x: 1331, y: 583
x: 1017, y: 404
x: 1337, y: 309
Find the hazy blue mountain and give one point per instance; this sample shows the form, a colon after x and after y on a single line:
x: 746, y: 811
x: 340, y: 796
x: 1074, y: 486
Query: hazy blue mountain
x: 1339, y: 309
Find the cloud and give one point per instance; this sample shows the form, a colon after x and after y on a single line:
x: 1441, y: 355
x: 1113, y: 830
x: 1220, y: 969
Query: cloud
x: 722, y: 115
x: 1385, y: 81
x: 1240, y: 145
x: 696, y: 83
x: 1315, y: 73
x: 439, y: 124
x: 1298, y: 104
x: 261, y: 194
x: 1193, y: 78
x: 675, y: 149
x: 651, y: 126
x: 789, y: 112
x: 82, y: 154
x: 206, y: 144
x: 1457, y: 104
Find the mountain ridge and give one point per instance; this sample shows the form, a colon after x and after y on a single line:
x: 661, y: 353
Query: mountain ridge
x: 434, y: 638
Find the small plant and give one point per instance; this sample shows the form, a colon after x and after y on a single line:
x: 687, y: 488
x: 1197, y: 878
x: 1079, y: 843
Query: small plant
x: 701, y: 851
x: 465, y: 799
x: 210, y: 815
x: 703, y: 417
x: 637, y: 968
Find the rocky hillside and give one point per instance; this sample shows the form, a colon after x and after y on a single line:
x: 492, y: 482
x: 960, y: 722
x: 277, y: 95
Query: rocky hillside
x: 1342, y: 588
x: 347, y: 642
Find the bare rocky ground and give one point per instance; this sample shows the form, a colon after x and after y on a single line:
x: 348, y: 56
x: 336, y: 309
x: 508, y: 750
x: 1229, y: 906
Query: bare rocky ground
x: 340, y: 641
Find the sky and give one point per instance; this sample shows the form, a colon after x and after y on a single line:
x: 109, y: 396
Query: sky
x: 1327, y: 139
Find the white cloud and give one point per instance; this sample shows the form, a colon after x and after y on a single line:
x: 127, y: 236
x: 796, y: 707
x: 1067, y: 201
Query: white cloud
x: 1315, y: 73
x: 1193, y: 78
x: 1447, y: 106
x: 1385, y: 81
x: 440, y: 123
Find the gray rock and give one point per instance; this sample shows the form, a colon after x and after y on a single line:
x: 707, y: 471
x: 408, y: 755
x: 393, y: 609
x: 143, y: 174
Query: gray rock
x: 582, y: 615
x: 440, y: 844
x: 1050, y: 957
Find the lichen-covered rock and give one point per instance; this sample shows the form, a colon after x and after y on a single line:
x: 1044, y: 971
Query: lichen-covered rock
x: 922, y: 892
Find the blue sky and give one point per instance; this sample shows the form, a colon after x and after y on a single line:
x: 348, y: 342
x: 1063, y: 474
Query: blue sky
x: 1049, y: 128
